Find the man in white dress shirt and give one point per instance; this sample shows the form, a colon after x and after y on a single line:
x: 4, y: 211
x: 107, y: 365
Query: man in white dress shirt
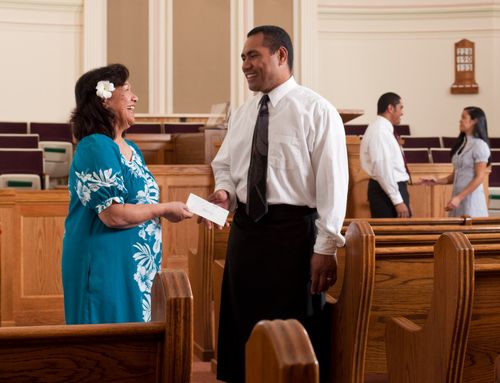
x: 383, y: 160
x: 279, y: 266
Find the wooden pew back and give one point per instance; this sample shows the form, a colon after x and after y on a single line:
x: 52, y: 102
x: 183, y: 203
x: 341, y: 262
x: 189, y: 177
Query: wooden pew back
x: 350, y: 313
x: 212, y: 245
x: 403, y: 286
x: 158, y: 351
x: 280, y: 351
x: 436, y: 351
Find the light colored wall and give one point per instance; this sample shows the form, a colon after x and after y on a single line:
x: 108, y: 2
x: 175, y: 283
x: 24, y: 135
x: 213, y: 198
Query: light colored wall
x: 408, y: 47
x: 201, y: 62
x: 128, y: 43
x: 274, y: 12
x: 363, y: 50
x: 40, y: 60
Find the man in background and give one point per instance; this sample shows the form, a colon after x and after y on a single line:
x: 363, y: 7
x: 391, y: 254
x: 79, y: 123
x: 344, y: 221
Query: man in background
x: 383, y: 160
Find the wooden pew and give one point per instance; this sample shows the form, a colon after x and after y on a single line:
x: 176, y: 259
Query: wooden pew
x: 280, y: 351
x: 460, y: 221
x: 434, y: 229
x: 411, y: 221
x: 212, y: 246
x: 430, y: 239
x: 159, y: 351
x: 403, y: 285
x: 349, y: 314
x: 435, y: 352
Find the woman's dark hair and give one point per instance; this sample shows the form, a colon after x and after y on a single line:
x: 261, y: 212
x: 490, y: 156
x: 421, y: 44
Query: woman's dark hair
x: 480, y: 129
x: 275, y: 38
x: 90, y: 116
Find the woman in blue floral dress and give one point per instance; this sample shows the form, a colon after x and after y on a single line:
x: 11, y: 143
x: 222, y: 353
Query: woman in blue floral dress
x: 112, y: 242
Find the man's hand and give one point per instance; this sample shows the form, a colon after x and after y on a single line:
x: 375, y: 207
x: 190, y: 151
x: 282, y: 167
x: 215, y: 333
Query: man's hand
x: 402, y: 210
x: 323, y: 272
x: 219, y: 198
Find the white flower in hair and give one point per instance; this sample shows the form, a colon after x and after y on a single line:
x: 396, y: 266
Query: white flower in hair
x: 104, y: 89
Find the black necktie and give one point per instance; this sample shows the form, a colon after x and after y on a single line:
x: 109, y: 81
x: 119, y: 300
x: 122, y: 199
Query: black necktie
x: 257, y: 171
x: 398, y: 138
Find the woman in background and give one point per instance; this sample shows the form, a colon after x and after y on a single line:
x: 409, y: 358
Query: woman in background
x: 470, y: 158
x: 112, y: 242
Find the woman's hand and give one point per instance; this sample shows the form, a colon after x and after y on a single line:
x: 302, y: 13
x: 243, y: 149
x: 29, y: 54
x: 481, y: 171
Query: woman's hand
x: 176, y: 211
x: 453, y: 203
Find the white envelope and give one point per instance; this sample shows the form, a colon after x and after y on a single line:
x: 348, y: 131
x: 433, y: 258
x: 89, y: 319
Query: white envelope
x: 207, y: 210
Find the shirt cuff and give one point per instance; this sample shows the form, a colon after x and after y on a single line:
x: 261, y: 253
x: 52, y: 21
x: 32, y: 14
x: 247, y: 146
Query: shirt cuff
x: 397, y: 199
x: 328, y: 245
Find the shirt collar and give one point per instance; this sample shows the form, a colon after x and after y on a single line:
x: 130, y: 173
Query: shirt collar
x: 386, y: 124
x: 280, y: 91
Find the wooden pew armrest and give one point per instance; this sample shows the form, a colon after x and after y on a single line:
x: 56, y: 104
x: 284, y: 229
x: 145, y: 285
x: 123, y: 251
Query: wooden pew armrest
x: 330, y: 300
x: 402, y: 324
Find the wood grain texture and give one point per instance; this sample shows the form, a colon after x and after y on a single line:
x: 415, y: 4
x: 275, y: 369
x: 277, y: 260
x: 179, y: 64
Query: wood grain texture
x: 403, y: 287
x: 280, y: 351
x: 218, y: 273
x: 127, y: 352
x: 350, y: 313
x: 435, y: 352
x: 464, y: 220
x: 497, y: 369
x: 33, y: 223
x: 212, y: 245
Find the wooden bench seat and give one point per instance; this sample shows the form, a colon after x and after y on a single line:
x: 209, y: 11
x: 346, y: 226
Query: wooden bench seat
x: 159, y: 351
x: 280, y: 351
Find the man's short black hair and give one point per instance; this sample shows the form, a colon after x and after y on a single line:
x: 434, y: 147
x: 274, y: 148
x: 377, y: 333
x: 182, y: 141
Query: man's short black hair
x: 274, y: 38
x: 387, y: 99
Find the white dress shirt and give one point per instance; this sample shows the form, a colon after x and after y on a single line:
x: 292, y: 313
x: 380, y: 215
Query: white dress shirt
x: 307, y: 157
x: 382, y: 159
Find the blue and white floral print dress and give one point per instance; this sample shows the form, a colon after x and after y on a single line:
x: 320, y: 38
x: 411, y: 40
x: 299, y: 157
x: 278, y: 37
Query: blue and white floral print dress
x: 108, y: 273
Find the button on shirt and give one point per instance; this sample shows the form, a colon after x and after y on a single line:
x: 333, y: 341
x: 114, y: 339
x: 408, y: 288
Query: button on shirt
x: 307, y: 157
x: 382, y: 159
